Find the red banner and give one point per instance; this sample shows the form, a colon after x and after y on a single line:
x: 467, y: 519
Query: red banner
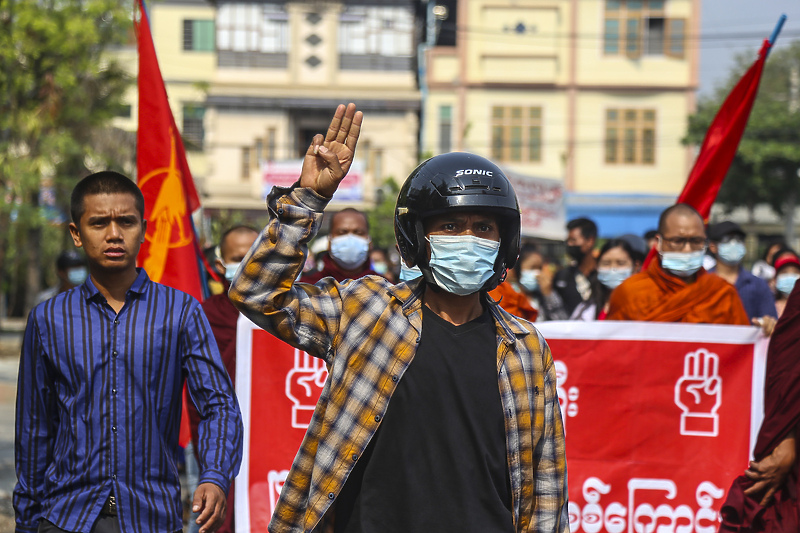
x: 659, y: 419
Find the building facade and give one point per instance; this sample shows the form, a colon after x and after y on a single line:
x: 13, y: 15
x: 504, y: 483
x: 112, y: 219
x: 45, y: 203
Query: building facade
x: 595, y: 93
x: 250, y: 83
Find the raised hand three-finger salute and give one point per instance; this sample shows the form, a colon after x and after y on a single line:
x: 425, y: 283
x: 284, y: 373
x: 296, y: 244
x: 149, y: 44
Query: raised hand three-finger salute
x: 328, y: 158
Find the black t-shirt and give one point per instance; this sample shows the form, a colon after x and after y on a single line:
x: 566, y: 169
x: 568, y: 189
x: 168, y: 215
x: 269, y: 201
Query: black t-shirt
x: 438, y: 461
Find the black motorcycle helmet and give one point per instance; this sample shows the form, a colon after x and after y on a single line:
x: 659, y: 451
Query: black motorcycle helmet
x: 463, y: 181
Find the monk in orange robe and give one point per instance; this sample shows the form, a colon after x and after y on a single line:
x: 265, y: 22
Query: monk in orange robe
x: 675, y: 287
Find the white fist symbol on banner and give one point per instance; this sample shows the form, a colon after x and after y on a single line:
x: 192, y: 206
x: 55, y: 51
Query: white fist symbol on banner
x: 276, y: 479
x: 699, y: 394
x: 304, y: 384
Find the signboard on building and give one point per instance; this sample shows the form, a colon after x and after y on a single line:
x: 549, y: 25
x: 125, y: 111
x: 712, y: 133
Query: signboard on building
x: 285, y: 173
x: 541, y: 202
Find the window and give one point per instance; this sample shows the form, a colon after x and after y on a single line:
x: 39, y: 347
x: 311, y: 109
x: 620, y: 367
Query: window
x: 516, y: 133
x: 630, y: 136
x: 253, y: 35
x: 198, y: 35
x: 376, y: 37
x: 637, y: 27
x: 193, y: 129
x: 271, y: 144
x: 445, y: 129
x: 245, y: 170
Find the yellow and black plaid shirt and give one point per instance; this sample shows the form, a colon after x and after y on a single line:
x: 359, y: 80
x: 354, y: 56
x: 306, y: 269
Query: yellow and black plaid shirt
x: 367, y: 332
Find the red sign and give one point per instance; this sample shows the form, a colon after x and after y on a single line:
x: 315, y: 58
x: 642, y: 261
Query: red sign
x: 659, y: 419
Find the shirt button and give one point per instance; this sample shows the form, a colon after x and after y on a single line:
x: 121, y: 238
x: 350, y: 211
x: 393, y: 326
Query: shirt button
x: 377, y: 418
x: 331, y: 495
x: 114, y: 353
x: 116, y: 321
x: 114, y: 429
x: 113, y: 476
x: 355, y: 457
x: 395, y: 378
x: 113, y: 391
x: 280, y: 210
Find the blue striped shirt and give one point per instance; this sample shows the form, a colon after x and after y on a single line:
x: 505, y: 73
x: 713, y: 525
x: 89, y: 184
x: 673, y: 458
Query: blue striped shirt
x: 99, y: 407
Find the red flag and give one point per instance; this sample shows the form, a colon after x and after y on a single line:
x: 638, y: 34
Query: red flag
x: 721, y: 142
x: 170, y: 254
x: 170, y: 251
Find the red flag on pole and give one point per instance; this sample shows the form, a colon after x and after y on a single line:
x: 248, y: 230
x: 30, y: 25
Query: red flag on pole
x: 722, y: 139
x: 170, y: 253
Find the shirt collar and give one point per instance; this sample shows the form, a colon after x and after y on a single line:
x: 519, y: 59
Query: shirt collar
x: 410, y: 296
x: 90, y: 290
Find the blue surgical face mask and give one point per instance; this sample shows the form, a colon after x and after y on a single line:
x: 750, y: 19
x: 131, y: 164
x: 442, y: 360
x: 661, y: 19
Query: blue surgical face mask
x: 408, y: 273
x: 731, y: 252
x: 77, y: 275
x: 785, y: 283
x: 230, y: 270
x: 461, y: 264
x: 530, y: 279
x: 349, y: 250
x: 613, y: 277
x: 682, y: 264
x: 380, y: 267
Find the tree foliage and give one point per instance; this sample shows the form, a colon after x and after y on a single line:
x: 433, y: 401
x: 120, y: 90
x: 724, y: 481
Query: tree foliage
x: 60, y: 90
x: 765, y: 169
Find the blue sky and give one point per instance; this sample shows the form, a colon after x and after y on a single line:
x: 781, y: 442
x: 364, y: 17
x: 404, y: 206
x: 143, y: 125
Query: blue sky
x: 730, y: 27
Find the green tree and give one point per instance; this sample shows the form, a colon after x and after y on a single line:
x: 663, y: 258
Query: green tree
x: 381, y: 217
x: 59, y: 89
x: 765, y: 169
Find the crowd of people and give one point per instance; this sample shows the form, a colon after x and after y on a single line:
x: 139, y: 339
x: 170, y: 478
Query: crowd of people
x: 473, y: 438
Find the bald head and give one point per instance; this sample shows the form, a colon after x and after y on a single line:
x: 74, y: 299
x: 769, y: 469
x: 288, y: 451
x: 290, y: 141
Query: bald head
x: 678, y: 211
x: 236, y: 242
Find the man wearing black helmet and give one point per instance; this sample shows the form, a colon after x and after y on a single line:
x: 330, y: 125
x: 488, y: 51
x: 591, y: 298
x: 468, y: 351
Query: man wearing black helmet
x: 440, y: 411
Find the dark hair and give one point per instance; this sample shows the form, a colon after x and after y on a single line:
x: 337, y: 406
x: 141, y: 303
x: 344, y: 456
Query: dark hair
x: 353, y: 211
x: 588, y: 227
x: 783, y: 250
x: 105, y: 182
x: 69, y: 258
x: 650, y: 234
x: 772, y: 242
x: 524, y: 251
x: 684, y: 209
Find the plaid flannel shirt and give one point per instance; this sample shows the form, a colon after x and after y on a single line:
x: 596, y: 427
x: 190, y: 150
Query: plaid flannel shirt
x: 367, y: 332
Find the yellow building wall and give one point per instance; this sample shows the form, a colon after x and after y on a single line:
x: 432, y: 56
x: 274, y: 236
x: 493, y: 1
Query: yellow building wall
x: 498, y: 53
x: 596, y: 68
x: 666, y: 176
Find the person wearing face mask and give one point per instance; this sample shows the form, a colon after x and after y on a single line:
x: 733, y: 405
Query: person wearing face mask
x: 616, y: 262
x: 440, y: 412
x: 674, y: 287
x: 574, y: 282
x: 787, y: 272
x: 534, y: 278
x: 71, y: 271
x: 222, y: 317
x: 726, y: 242
x: 347, y: 256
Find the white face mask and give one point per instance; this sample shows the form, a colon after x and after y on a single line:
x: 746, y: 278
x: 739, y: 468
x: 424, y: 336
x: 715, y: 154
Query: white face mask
x: 230, y: 270
x: 462, y: 264
x: 349, y: 250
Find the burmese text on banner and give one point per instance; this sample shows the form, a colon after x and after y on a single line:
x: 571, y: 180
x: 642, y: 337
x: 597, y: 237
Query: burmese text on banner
x: 659, y: 418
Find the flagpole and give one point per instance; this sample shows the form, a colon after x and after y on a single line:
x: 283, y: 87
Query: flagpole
x: 776, y: 31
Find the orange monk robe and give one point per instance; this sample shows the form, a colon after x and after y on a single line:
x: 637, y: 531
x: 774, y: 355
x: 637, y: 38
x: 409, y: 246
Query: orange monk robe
x: 654, y: 295
x: 514, y: 302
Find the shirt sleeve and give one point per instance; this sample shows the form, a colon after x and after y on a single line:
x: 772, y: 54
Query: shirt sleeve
x: 36, y: 419
x: 219, y: 430
x: 550, y: 462
x: 264, y: 289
